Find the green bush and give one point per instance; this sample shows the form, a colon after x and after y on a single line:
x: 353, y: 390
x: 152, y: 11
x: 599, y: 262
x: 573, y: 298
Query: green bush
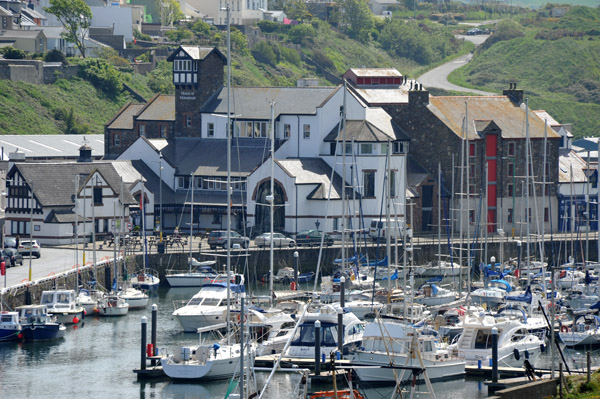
x: 12, y: 53
x: 141, y: 36
x: 269, y: 26
x: 200, y: 28
x: 290, y: 55
x: 302, y: 33
x: 263, y: 52
x: 322, y: 59
x: 160, y: 80
x: 179, y: 35
x: 55, y: 56
x: 102, y: 75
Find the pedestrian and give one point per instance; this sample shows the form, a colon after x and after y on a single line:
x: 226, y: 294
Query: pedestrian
x: 17, y: 241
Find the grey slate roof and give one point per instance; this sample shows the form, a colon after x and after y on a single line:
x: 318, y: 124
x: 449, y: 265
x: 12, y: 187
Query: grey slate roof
x: 253, y: 102
x: 54, y: 183
x: 378, y: 126
x: 313, y: 171
x: 50, y: 145
x: 208, y: 157
x: 196, y: 53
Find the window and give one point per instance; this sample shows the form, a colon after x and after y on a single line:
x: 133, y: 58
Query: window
x: 471, y: 170
x: 217, y: 217
x: 471, y: 216
x: 511, y: 149
x: 210, y: 130
x: 366, y: 148
x: 97, y: 196
x: 287, y: 129
x: 510, y: 189
x: 529, y: 218
x: 163, y: 131
x: 348, y: 148
x: 117, y: 140
x: 369, y: 183
x: 142, y: 130
x: 306, y: 129
x: 399, y: 147
x: 510, y: 215
x: 472, y: 189
x: 510, y: 169
x: 384, y: 148
x: 188, y: 121
x: 546, y: 215
x: 392, y: 183
x: 472, y: 150
x: 183, y: 182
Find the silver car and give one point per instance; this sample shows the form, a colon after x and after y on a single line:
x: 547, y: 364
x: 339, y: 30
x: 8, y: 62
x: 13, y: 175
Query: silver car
x: 31, y: 248
x: 279, y: 240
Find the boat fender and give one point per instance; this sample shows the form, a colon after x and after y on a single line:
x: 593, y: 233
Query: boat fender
x: 149, y: 350
x: 516, y: 354
x: 293, y: 286
x: 543, y: 348
x: 564, y: 329
x: 526, y: 352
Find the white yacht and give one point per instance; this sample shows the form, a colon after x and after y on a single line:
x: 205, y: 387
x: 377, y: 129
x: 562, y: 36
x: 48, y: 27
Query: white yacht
x: 137, y: 299
x: 303, y: 342
x: 388, y: 344
x: 208, y: 307
x: 515, y: 343
x: 430, y: 294
x: 200, y: 273
x: 63, y: 305
x: 112, y: 305
x: 584, y: 332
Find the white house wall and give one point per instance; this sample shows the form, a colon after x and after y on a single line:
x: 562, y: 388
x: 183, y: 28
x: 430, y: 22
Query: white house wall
x: 121, y: 18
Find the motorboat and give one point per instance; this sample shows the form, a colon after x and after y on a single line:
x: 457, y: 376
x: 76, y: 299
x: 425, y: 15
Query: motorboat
x: 202, y: 362
x: 200, y: 273
x: 145, y: 280
x: 515, y: 343
x: 388, y: 344
x: 363, y: 308
x: 271, y: 333
x: 10, y: 328
x: 63, y: 305
x: 208, y: 307
x: 431, y: 294
x: 584, y: 332
x: 38, y: 325
x: 443, y: 268
x: 112, y: 305
x: 88, y: 299
x: 492, y: 295
x: 303, y: 342
x: 137, y: 299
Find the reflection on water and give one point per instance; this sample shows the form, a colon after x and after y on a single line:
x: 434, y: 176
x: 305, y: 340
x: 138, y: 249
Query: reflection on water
x: 97, y: 358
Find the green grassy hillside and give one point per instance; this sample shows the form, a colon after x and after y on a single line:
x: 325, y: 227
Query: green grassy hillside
x: 560, y: 74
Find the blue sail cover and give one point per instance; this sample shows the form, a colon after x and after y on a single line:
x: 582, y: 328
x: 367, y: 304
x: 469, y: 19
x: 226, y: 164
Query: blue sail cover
x: 524, y: 297
x: 380, y: 262
x: 352, y: 259
x: 504, y: 283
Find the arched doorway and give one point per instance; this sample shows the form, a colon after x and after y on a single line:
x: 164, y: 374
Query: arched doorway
x: 262, y: 221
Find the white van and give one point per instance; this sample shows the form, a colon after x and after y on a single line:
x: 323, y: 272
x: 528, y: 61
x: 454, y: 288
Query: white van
x: 379, y: 226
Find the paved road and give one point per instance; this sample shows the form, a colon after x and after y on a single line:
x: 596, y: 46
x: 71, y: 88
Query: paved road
x: 438, y: 77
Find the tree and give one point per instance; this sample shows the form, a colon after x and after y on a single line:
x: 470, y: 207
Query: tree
x: 169, y: 11
x: 75, y: 15
x: 296, y: 9
x: 11, y: 53
x: 358, y: 19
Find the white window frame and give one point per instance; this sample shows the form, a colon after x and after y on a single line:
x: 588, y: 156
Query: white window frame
x: 306, y: 131
x: 210, y: 129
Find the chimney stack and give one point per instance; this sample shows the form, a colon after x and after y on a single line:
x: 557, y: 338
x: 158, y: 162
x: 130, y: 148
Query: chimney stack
x: 418, y: 96
x: 516, y: 96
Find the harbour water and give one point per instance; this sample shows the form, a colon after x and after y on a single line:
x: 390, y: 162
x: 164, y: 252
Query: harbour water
x: 96, y: 359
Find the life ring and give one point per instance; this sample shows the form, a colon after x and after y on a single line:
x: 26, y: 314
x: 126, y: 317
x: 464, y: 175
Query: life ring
x: 563, y: 274
x: 564, y: 329
x: 293, y: 286
x: 239, y: 318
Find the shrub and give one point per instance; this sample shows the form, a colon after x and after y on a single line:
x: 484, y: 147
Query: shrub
x: 263, y: 52
x: 269, y: 26
x: 102, y: 75
x: 322, y: 59
x: 141, y: 36
x: 12, y: 53
x: 302, y: 33
x: 55, y: 56
x: 200, y: 28
x: 290, y: 55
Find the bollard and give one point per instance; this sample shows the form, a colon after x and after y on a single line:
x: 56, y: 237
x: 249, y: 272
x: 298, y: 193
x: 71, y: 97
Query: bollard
x: 560, y: 380
x: 153, y: 329
x: 494, y: 354
x: 340, y: 328
x: 317, y: 347
x: 296, y: 268
x: 342, y: 292
x: 589, y: 367
x: 27, y: 296
x: 479, y: 364
x: 144, y: 325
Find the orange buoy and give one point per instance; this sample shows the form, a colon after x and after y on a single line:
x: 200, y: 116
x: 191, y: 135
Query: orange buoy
x: 75, y: 320
x: 20, y: 335
x: 293, y: 286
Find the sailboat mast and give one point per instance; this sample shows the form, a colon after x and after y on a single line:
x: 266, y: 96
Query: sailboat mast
x: 228, y: 8
x: 468, y: 195
x: 77, y: 232
x: 271, y: 201
x: 439, y: 214
x: 544, y: 168
x: 94, y: 231
x: 388, y: 228
x: 191, y: 221
x: 143, y: 204
x: 527, y: 212
x: 344, y: 180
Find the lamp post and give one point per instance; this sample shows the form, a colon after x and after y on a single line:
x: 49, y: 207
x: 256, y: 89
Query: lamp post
x: 160, y: 225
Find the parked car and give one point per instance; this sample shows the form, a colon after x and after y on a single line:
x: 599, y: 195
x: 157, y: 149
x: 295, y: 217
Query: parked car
x: 313, y: 237
x: 10, y: 242
x: 11, y: 257
x: 31, y: 248
x: 218, y: 238
x: 279, y: 240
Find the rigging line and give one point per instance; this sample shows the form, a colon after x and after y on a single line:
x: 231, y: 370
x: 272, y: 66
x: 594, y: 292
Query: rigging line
x: 379, y: 233
x: 449, y: 244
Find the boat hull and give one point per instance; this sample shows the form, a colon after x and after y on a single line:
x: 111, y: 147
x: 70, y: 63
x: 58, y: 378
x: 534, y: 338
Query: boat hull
x: 191, y: 323
x: 71, y: 317
x: 186, y: 280
x: 43, y: 332
x: 580, y: 339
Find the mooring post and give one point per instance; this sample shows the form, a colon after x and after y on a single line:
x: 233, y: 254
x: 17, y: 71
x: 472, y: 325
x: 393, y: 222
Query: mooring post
x: 589, y: 367
x: 143, y: 360
x: 317, y: 347
x: 342, y: 292
x: 340, y: 337
x: 153, y: 328
x: 560, y: 380
x: 296, y: 268
x: 494, y: 354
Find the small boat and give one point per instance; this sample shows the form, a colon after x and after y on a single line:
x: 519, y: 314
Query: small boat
x: 10, y: 328
x: 493, y: 295
x: 388, y: 344
x: 200, y: 273
x: 136, y: 299
x: 88, y: 299
x: 339, y: 394
x: 38, y: 325
x: 430, y: 294
x: 145, y: 280
x: 208, y: 307
x: 443, y: 268
x: 63, y: 305
x: 112, y: 305
x: 584, y: 332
